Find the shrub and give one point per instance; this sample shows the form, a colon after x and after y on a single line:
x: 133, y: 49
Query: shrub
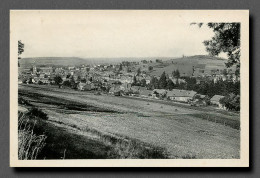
x: 35, y: 112
x: 231, y: 102
x: 23, y: 101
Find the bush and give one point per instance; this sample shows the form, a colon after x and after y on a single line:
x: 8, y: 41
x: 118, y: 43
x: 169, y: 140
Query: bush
x: 67, y: 83
x: 35, y: 112
x: 231, y: 102
x: 23, y: 102
x: 40, y: 83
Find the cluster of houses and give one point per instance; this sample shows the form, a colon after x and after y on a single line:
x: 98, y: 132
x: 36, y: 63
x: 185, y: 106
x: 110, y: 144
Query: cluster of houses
x: 115, y: 83
x: 204, y: 72
x: 34, y: 76
x: 184, y: 96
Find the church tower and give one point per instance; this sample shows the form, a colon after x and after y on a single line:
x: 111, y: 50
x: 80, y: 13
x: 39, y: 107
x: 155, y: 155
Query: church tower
x: 34, y: 69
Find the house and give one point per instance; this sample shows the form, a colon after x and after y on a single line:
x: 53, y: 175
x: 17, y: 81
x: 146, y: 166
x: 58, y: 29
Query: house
x: 42, y: 75
x: 44, y: 80
x: 115, y: 90
x: 199, y: 70
x: 215, y: 100
x: 35, y: 79
x: 20, y: 81
x: 86, y: 86
x: 177, y: 80
x: 198, y: 102
x: 181, y: 95
x: 46, y: 70
x: 144, y: 93
x: 81, y: 86
x: 159, y: 93
x: 135, y: 89
x: 125, y: 86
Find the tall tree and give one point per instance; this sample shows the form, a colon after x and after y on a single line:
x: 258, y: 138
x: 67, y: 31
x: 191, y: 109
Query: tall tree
x: 134, y: 81
x: 153, y: 83
x: 138, y: 71
x: 20, y: 50
x: 170, y: 84
x: 20, y: 47
x: 226, y: 40
x: 73, y: 83
x: 58, y: 80
x: 231, y: 102
x: 150, y: 68
x: 143, y: 82
x: 120, y: 67
x: 163, y: 81
x: 176, y: 74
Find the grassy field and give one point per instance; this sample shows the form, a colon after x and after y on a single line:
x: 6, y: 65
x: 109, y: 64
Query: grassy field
x: 183, y: 131
x: 185, y: 65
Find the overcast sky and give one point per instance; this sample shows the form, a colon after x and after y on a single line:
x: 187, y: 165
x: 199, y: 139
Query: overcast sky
x: 92, y: 34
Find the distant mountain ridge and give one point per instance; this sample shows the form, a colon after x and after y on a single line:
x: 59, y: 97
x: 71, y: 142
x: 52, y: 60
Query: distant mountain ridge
x: 51, y: 61
x: 74, y: 61
x: 183, y: 63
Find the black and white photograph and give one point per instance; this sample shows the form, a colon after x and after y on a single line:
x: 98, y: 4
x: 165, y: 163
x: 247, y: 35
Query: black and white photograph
x: 129, y: 88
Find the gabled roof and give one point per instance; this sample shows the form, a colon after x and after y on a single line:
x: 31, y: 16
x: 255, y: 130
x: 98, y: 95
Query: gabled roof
x: 181, y: 93
x: 160, y: 91
x: 216, y: 98
x: 81, y: 84
x: 115, y: 89
x: 145, y: 92
x: 136, y: 88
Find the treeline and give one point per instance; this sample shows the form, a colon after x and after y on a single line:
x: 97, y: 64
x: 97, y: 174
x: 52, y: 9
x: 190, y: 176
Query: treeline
x: 205, y: 87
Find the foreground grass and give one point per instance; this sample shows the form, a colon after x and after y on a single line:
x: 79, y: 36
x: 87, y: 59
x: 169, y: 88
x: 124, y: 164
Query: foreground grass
x: 29, y: 143
x: 233, y: 123
x: 185, y: 138
x: 123, y: 147
x: 61, y: 143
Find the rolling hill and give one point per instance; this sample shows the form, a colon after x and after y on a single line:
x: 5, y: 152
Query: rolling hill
x: 51, y: 61
x: 75, y: 61
x: 185, y: 65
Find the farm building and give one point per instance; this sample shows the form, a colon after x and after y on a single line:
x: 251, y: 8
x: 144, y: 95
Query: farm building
x: 45, y: 80
x: 175, y: 80
x: 181, y: 95
x: 135, y: 89
x: 86, y: 86
x: 115, y: 90
x: 159, y: 93
x: 81, y: 86
x: 35, y: 79
x: 198, y: 102
x: 145, y: 93
x: 215, y: 100
x: 125, y: 86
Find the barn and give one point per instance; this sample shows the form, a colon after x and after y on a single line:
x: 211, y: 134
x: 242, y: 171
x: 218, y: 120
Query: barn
x: 181, y: 95
x: 215, y: 100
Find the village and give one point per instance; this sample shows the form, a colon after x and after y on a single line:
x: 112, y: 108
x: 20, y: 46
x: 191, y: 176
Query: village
x: 134, y: 79
x: 105, y: 85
